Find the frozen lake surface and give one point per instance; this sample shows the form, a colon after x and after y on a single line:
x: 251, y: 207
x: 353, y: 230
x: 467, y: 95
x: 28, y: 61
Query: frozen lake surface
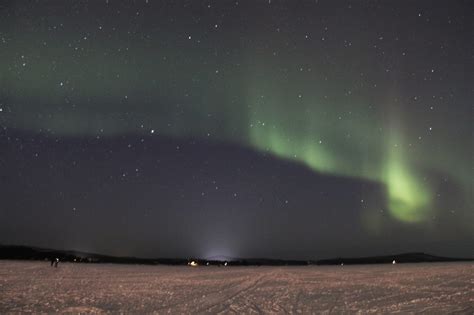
x: 95, y: 288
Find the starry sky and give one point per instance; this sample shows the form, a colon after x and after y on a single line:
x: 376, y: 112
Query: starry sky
x: 280, y: 129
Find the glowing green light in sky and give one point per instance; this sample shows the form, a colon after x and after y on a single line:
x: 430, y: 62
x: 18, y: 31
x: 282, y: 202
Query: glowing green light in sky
x: 303, y: 150
x: 346, y: 146
x: 408, y: 197
x: 325, y: 117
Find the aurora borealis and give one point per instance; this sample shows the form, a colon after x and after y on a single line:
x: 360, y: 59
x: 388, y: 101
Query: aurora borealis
x: 373, y: 95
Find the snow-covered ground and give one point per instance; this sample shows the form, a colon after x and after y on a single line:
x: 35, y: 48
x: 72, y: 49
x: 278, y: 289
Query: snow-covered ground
x: 431, y: 288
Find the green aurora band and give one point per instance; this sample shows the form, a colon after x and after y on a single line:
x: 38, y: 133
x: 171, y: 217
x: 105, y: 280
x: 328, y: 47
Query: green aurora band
x: 322, y: 118
x: 300, y: 139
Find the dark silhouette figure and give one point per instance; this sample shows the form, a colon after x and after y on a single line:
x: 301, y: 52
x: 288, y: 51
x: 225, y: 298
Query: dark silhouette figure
x: 56, y: 262
x: 52, y: 261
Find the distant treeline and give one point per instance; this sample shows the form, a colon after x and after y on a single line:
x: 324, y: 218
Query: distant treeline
x: 33, y: 253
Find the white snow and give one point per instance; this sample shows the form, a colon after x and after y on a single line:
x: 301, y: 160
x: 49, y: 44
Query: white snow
x: 94, y: 288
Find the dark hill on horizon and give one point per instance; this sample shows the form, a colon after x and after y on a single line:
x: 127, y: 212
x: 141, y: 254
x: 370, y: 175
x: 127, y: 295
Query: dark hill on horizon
x: 18, y: 252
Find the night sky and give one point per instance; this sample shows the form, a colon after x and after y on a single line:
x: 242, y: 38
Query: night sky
x: 279, y: 129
